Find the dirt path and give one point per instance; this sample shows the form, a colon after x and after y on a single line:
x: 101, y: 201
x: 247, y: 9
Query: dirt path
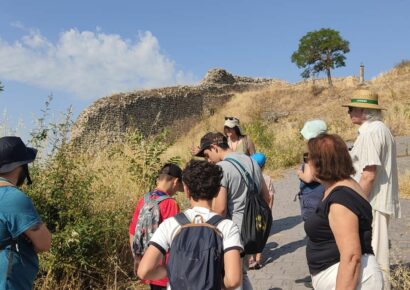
x: 284, y: 253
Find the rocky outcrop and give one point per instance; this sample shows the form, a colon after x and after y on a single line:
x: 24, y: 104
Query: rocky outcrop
x: 149, y: 111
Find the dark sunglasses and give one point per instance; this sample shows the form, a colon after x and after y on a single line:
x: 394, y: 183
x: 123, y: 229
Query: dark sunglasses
x: 350, y: 109
x: 306, y: 157
x: 230, y: 118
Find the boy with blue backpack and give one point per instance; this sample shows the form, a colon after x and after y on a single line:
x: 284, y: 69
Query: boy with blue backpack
x: 151, y: 210
x: 204, y: 247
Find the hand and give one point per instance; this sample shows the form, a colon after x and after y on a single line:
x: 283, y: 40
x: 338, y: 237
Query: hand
x: 194, y: 150
x: 299, y: 172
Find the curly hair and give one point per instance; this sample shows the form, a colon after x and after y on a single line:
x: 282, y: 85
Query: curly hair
x: 330, y: 158
x: 203, y: 179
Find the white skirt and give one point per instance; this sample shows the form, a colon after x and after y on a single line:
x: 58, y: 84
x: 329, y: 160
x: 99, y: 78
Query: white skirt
x: 371, y: 277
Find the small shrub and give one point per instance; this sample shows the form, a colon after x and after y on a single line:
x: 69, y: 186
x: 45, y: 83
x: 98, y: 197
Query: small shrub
x: 282, y: 148
x: 404, y: 185
x: 403, y: 65
x: 400, y: 276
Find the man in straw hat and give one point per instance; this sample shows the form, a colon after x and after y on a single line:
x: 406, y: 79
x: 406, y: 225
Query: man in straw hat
x: 374, y: 158
x: 22, y: 234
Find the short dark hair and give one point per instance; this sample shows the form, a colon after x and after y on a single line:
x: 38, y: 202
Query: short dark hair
x: 203, y: 179
x: 330, y: 157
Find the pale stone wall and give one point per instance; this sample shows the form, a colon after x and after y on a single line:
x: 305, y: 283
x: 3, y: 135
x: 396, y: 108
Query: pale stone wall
x: 108, y: 118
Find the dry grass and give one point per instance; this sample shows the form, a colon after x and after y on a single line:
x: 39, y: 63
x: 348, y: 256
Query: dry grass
x: 400, y: 277
x: 307, y: 100
x: 404, y: 185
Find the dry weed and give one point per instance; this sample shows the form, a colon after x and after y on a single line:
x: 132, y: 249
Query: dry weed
x: 404, y: 185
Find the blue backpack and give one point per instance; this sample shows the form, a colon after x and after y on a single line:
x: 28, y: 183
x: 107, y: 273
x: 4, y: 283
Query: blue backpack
x: 310, y: 194
x: 196, y: 255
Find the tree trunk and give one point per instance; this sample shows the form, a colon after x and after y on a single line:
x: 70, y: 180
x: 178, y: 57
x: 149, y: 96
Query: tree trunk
x: 329, y: 78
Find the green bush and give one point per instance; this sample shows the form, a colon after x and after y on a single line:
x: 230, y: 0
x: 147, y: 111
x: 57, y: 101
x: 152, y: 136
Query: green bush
x: 90, y: 247
x: 282, y: 150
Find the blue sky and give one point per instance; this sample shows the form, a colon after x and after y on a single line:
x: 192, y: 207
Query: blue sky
x: 80, y: 51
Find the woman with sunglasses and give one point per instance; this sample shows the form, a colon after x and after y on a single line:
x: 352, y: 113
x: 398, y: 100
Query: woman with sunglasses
x: 339, y: 250
x: 237, y: 141
x: 310, y: 191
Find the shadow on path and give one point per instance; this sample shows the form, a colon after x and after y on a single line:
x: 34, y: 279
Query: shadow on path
x: 275, y: 253
x: 284, y: 224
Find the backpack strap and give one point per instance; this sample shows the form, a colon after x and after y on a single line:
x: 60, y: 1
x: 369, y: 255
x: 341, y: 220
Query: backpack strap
x: 215, y: 220
x: 182, y: 219
x: 245, y: 174
x: 158, y: 200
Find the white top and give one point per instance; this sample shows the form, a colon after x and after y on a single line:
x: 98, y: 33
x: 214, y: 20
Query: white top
x: 166, y: 231
x: 375, y: 145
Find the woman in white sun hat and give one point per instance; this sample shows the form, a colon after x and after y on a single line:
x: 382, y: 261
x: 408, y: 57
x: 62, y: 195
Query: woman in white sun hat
x: 237, y: 141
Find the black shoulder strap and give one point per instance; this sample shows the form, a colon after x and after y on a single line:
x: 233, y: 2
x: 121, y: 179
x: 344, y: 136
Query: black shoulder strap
x: 244, y: 173
x: 182, y: 219
x: 215, y: 220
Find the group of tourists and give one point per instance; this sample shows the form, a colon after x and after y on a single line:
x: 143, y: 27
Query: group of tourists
x: 347, y: 198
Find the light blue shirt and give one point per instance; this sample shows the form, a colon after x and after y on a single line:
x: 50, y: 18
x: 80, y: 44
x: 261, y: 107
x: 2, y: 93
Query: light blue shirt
x: 17, y: 215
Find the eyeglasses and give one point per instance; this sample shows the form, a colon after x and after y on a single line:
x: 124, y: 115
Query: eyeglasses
x: 306, y: 157
x: 230, y: 118
x: 350, y: 110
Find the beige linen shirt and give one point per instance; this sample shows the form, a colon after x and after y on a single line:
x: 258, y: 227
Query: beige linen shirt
x: 375, y: 145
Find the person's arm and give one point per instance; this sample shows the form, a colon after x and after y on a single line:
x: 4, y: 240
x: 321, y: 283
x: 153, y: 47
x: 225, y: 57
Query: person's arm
x: 233, y: 269
x: 150, y: 267
x: 306, y: 175
x: 367, y: 179
x: 345, y: 228
x: 131, y: 241
x: 40, y: 236
x: 272, y: 195
x: 251, y: 146
x: 265, y: 191
x: 220, y: 202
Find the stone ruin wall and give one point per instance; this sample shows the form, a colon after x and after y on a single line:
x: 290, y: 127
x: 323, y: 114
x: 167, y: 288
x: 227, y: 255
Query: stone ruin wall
x: 149, y: 111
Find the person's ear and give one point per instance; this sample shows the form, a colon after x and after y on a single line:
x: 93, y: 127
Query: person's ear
x: 186, y: 190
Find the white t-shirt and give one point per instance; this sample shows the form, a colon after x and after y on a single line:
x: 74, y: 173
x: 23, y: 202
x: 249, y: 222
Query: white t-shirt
x: 166, y: 231
x: 375, y: 145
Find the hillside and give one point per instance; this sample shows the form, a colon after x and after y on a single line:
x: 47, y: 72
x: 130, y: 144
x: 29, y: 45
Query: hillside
x: 281, y: 109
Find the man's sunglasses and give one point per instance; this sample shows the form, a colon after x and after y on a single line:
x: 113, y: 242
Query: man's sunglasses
x: 230, y: 118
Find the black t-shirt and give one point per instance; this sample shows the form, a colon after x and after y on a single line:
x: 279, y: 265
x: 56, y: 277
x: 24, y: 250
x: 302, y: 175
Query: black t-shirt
x: 321, y: 249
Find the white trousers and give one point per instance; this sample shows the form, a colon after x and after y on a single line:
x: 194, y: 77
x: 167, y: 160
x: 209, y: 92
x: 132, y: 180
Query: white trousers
x: 370, y: 277
x: 380, y: 244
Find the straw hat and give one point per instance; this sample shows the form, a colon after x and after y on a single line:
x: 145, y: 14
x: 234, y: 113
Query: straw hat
x: 364, y: 98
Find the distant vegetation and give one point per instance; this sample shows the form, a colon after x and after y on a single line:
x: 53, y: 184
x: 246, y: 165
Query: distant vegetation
x: 321, y: 50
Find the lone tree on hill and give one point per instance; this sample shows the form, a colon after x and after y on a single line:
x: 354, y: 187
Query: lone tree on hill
x: 321, y: 50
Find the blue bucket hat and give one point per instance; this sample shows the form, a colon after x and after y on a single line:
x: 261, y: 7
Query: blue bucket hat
x: 313, y: 128
x: 260, y: 158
